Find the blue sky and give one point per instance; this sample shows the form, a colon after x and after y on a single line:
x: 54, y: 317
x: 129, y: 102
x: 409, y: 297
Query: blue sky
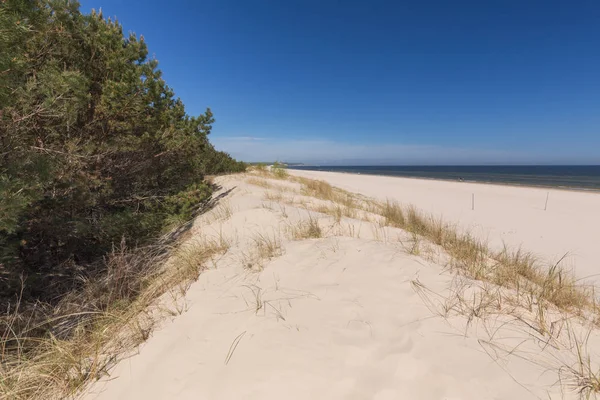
x: 382, y: 82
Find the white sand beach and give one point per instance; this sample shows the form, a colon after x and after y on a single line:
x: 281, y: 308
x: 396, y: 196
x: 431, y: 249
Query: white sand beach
x: 503, y: 214
x: 358, y: 310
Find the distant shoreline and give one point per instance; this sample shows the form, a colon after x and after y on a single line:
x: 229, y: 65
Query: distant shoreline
x: 343, y: 170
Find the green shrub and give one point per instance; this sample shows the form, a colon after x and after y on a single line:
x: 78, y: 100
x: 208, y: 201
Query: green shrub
x: 94, y: 145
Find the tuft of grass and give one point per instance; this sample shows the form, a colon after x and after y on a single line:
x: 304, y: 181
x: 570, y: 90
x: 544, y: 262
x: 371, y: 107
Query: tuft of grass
x: 273, y: 196
x: 392, y: 212
x: 319, y: 189
x: 268, y: 246
x: 306, y: 229
x: 414, y: 247
x: 581, y: 375
x: 259, y: 182
x: 259, y: 169
x: 279, y: 172
x: 265, y: 247
x: 337, y: 211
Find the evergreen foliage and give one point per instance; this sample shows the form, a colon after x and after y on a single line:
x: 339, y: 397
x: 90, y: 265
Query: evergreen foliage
x: 94, y: 146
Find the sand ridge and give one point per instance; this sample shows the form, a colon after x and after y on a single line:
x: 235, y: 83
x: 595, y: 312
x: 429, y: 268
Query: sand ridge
x: 342, y: 316
x: 503, y: 214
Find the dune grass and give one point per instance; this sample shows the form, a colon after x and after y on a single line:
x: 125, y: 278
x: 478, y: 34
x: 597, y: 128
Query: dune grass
x: 514, y: 269
x: 267, y: 246
x: 512, y: 280
x: 259, y: 182
x: 53, y: 352
x: 279, y: 172
x: 324, y: 191
x: 95, y: 328
x: 306, y: 229
x: 264, y: 247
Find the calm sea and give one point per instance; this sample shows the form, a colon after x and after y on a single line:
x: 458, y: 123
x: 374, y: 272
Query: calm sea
x: 585, y: 177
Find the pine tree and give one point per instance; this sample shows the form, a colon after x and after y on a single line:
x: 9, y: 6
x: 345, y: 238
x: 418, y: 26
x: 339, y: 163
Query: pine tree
x: 94, y: 145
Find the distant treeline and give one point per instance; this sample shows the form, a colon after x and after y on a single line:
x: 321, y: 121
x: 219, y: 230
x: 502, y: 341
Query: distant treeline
x: 276, y: 163
x: 94, y: 146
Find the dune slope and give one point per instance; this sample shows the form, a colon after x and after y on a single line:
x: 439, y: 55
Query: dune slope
x: 305, y: 304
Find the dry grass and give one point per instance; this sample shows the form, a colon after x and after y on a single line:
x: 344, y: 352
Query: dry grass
x: 556, y: 341
x: 259, y: 182
x: 89, y: 331
x: 581, y: 375
x: 469, y: 255
x: 222, y: 212
x: 324, y: 191
x: 259, y: 169
x: 392, y: 213
x: 337, y: 211
x: 264, y: 247
x: 319, y: 189
x: 515, y: 270
x: 274, y: 196
x: 306, y: 229
x: 268, y: 246
x: 279, y: 172
x: 93, y: 329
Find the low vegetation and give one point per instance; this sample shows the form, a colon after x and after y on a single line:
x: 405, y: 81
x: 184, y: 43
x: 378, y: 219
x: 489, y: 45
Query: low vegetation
x: 306, y: 229
x: 278, y: 171
x: 497, y: 289
x: 513, y: 269
x: 518, y: 270
x: 264, y: 247
x: 88, y: 331
x: 259, y: 182
x: 100, y: 166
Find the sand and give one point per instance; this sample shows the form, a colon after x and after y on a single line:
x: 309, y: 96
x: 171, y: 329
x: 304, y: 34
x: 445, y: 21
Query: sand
x: 503, y: 214
x: 354, y: 316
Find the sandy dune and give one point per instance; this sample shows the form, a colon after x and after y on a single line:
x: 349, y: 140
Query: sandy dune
x: 503, y: 214
x: 353, y: 316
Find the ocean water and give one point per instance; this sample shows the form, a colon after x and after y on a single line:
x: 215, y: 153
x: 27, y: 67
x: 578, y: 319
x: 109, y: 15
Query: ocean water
x: 583, y: 177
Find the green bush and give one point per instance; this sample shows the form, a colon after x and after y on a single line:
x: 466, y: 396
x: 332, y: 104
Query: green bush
x: 94, y: 145
x: 279, y: 170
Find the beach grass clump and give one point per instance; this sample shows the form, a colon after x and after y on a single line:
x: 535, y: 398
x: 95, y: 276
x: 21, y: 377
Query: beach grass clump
x: 273, y: 196
x: 333, y: 210
x: 259, y: 182
x: 467, y: 254
x: 264, y: 247
x: 337, y: 211
x: 392, y: 212
x: 306, y: 229
x: 260, y: 170
x: 279, y: 171
x: 319, y: 189
x: 324, y: 191
x: 267, y: 246
x: 260, y: 167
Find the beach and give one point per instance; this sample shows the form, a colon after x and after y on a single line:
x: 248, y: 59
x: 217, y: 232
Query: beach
x: 515, y: 215
x: 319, y: 296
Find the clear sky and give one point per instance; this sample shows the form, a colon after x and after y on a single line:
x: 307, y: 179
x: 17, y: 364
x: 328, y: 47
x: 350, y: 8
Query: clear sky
x: 383, y: 82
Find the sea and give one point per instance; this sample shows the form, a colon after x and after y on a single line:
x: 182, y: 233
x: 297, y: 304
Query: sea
x: 580, y: 177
